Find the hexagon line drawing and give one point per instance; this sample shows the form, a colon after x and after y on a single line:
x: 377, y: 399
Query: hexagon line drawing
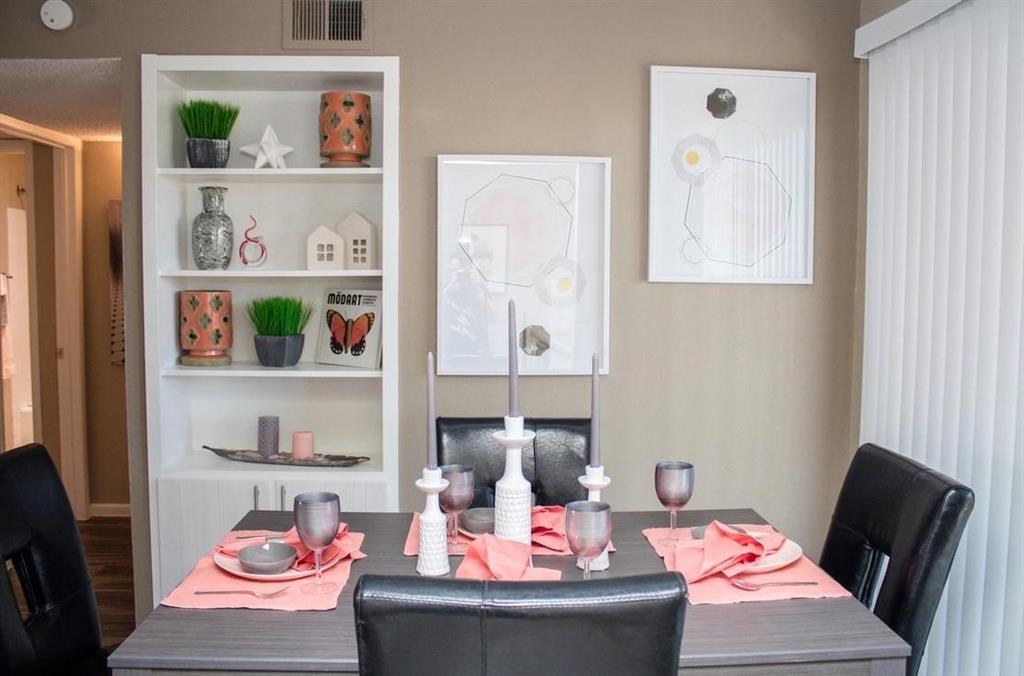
x: 700, y: 241
x: 560, y: 205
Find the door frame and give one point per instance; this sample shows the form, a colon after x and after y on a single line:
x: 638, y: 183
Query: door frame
x: 67, y: 207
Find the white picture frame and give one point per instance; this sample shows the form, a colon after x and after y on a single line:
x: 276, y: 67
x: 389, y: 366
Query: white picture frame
x: 556, y: 269
x: 731, y: 176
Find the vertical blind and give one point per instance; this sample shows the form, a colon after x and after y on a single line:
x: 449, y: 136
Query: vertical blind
x: 944, y: 327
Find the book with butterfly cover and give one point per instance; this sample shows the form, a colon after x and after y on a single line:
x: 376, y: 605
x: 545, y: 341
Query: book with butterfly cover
x: 350, y: 329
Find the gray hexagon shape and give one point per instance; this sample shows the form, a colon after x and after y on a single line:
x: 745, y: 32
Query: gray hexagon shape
x: 741, y: 215
x: 721, y: 103
x: 534, y: 340
x: 537, y: 227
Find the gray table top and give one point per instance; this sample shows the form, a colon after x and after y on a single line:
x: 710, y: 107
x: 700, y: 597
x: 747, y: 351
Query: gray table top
x: 799, y: 630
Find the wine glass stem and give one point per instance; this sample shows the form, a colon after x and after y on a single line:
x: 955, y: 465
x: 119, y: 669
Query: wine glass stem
x: 316, y: 564
x: 586, y: 570
x: 452, y: 528
x: 672, y: 523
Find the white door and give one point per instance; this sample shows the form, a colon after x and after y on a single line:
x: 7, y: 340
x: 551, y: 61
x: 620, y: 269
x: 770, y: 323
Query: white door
x: 357, y: 494
x: 195, y: 513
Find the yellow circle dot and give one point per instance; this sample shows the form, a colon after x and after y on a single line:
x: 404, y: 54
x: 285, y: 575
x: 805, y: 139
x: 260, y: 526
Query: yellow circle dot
x: 564, y: 283
x: 692, y: 157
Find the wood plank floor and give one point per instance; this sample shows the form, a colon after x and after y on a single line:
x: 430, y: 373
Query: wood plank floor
x: 108, y: 550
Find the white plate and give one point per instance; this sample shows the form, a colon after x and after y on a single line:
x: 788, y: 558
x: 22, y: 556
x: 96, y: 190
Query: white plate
x: 229, y: 564
x: 788, y: 554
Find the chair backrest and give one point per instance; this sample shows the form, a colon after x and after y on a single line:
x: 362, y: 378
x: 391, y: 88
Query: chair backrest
x: 892, y: 505
x: 553, y: 462
x: 615, y: 627
x: 38, y: 535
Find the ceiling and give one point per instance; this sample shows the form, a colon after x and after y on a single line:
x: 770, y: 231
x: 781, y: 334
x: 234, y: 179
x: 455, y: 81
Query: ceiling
x: 78, y: 97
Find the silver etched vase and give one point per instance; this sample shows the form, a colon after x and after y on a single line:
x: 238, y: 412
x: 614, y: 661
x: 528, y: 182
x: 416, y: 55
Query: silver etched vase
x: 212, y: 232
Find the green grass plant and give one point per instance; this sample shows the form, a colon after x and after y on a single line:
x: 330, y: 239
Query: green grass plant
x: 208, y: 119
x: 279, y: 316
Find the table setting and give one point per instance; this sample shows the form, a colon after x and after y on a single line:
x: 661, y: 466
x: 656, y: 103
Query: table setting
x: 307, y: 566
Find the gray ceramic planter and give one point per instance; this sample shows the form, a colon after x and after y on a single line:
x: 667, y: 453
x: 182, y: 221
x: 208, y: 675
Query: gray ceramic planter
x: 279, y: 350
x: 208, y: 153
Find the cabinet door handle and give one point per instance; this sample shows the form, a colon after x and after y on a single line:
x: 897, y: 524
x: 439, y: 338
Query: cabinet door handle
x: 283, y: 492
x: 255, y: 496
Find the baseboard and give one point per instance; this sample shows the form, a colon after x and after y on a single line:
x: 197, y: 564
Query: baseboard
x: 109, y: 509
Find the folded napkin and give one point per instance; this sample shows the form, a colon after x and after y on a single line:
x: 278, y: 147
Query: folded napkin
x: 489, y: 558
x: 207, y: 576
x: 345, y: 545
x: 724, y: 553
x: 723, y: 550
x: 549, y: 528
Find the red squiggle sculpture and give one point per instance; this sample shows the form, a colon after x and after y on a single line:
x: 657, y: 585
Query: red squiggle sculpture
x: 250, y: 241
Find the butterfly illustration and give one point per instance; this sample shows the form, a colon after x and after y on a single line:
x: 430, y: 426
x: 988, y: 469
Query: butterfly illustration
x: 349, y: 335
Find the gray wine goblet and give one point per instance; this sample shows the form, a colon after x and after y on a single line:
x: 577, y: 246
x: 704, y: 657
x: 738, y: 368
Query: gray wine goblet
x: 458, y: 496
x: 588, y: 529
x: 317, y: 519
x: 673, y: 482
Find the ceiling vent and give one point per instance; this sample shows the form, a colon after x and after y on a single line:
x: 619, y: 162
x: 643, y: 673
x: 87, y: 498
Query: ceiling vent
x: 327, y: 24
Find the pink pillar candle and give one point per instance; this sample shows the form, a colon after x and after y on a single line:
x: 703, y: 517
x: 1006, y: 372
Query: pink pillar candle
x: 302, y: 445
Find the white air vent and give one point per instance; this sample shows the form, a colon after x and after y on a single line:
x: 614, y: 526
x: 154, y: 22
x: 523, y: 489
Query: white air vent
x: 327, y: 24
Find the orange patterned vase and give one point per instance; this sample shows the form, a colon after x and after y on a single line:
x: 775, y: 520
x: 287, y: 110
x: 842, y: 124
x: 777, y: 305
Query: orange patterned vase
x: 205, y: 327
x: 345, y: 128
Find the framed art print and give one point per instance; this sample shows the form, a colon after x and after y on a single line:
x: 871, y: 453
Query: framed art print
x: 731, y: 176
x: 530, y: 229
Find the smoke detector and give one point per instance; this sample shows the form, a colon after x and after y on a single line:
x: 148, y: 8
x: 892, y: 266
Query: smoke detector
x: 57, y: 15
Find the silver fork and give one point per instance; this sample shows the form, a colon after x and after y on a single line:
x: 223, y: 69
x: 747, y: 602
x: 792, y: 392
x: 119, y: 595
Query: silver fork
x: 248, y: 592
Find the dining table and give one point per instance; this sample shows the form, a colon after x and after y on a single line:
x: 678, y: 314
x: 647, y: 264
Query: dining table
x: 835, y: 636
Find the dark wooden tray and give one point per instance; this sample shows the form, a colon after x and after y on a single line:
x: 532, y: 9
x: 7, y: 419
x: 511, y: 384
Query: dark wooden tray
x: 318, y: 459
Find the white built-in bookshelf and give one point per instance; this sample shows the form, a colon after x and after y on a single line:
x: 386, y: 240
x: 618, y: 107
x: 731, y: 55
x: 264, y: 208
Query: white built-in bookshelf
x: 194, y: 495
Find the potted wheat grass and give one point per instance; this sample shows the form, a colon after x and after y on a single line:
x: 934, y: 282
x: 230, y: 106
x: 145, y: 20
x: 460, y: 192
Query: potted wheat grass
x: 208, y: 125
x: 278, y: 322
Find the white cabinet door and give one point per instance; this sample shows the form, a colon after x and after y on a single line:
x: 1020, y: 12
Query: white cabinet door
x: 357, y: 494
x: 195, y: 513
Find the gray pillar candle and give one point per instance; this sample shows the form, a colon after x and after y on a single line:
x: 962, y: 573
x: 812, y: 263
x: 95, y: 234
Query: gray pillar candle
x: 513, y: 363
x: 595, y: 413
x: 268, y: 433
x: 431, y: 415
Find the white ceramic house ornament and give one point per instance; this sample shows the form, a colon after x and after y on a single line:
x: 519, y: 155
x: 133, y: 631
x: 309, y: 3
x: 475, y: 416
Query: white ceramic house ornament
x: 325, y: 250
x: 361, y: 237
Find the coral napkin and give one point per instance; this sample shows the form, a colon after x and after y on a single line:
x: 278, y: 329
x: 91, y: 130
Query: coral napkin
x: 207, y: 576
x: 548, y: 534
x: 345, y: 544
x: 724, y: 553
x: 489, y: 558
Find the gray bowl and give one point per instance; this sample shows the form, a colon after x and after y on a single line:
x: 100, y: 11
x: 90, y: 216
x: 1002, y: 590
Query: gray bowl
x: 267, y: 559
x: 478, y: 521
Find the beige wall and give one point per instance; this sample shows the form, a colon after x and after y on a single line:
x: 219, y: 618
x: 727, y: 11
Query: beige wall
x: 750, y: 382
x: 106, y: 427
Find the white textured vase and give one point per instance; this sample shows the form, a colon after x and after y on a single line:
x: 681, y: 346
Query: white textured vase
x: 595, y: 481
x: 433, y: 557
x: 513, y: 499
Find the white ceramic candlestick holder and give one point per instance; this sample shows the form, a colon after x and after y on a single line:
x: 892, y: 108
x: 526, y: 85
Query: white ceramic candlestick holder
x: 433, y: 558
x: 595, y: 481
x: 513, y: 498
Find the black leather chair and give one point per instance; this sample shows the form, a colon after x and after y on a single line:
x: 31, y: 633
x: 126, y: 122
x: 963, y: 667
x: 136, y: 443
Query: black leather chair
x: 38, y: 535
x: 892, y: 505
x: 627, y: 626
x: 553, y: 462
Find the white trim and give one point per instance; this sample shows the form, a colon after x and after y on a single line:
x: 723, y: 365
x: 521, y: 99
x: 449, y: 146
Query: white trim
x: 109, y: 509
x: 67, y: 224
x: 899, y: 21
x: 32, y: 132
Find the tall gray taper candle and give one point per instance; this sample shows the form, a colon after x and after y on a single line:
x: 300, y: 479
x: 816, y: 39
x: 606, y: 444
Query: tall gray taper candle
x: 431, y: 415
x: 595, y: 413
x: 513, y: 363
